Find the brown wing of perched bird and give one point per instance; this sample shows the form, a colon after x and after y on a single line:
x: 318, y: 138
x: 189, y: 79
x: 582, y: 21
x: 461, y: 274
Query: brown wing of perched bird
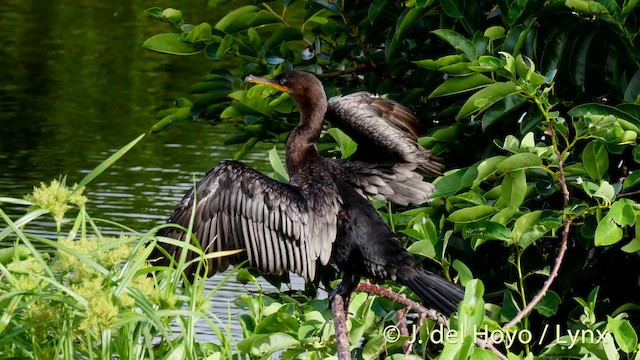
x: 385, y: 130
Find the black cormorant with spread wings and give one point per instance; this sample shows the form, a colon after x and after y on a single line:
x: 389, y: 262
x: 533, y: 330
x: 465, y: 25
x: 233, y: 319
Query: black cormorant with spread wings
x: 323, y: 214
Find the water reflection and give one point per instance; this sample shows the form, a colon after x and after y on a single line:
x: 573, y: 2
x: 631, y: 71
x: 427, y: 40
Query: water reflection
x: 75, y: 86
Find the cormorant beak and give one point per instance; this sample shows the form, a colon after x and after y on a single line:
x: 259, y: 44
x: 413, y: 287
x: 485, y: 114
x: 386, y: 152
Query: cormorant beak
x: 264, y: 81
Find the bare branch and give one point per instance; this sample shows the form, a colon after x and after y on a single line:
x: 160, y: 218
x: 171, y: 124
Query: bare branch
x: 563, y: 245
x: 340, y: 324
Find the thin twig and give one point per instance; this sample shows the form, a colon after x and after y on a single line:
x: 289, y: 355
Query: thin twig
x: 340, y: 324
x: 563, y: 245
x: 401, y: 316
x: 547, y: 284
x: 486, y: 344
x: 402, y: 300
x: 346, y: 71
x: 356, y: 35
x: 621, y: 195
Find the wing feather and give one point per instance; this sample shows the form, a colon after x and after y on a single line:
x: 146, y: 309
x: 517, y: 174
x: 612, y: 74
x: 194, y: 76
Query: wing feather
x: 383, y: 129
x: 239, y: 208
x: 389, y: 163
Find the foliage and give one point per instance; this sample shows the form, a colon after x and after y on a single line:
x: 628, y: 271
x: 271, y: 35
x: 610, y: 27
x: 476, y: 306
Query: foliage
x: 91, y: 296
x: 546, y: 93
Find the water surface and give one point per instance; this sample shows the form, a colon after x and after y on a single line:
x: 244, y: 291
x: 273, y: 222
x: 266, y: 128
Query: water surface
x: 76, y: 85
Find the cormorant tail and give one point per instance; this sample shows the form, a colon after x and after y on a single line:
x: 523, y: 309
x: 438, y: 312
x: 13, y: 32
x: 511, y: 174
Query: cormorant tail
x: 435, y: 291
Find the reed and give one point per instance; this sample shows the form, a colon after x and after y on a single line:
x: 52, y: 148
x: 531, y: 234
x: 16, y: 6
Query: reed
x: 94, y: 296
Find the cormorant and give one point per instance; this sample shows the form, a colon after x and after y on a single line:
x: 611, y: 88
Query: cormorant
x: 322, y: 214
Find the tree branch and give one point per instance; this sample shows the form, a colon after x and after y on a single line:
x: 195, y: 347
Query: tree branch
x: 621, y: 195
x: 547, y: 284
x: 563, y: 244
x: 340, y: 325
x: 422, y: 311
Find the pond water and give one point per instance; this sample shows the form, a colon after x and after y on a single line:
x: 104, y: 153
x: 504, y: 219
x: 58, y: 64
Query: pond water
x: 76, y: 85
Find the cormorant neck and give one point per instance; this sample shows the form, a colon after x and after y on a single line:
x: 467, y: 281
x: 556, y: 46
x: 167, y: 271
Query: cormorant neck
x: 301, y: 145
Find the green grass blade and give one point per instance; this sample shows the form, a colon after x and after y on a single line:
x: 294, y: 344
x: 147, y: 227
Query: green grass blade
x: 26, y: 242
x: 107, y: 163
x: 15, y: 201
x: 27, y: 218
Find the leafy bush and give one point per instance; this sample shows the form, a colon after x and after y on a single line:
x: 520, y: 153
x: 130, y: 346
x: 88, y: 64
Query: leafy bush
x: 535, y: 106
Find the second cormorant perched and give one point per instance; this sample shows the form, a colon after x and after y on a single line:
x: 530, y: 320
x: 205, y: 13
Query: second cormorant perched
x: 322, y: 214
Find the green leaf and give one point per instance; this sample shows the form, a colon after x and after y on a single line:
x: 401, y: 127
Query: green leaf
x: 173, y: 16
x: 605, y: 191
x: 486, y: 230
x: 530, y: 227
x: 407, y: 20
x: 248, y: 146
x: 502, y: 109
x: 424, y: 3
x: 607, y: 232
x: 171, y: 43
x: 461, y: 84
x: 623, y: 332
x: 595, y: 159
x: 514, y: 189
x: 155, y: 12
x: 579, y: 58
x: 422, y: 247
x: 494, y: 32
x: 283, y: 35
x: 487, y: 64
x: 440, y: 62
x: 532, y: 118
x: 464, y: 273
x: 251, y: 104
x: 346, y: 144
x: 628, y: 7
x: 516, y: 9
x: 375, y: 346
x: 245, y: 17
x: 622, y: 212
x: 267, y: 344
x: 471, y: 309
x: 459, y: 69
x: 277, y: 165
x: 458, y: 41
x: 634, y: 244
x: 448, y: 184
x: 624, y: 111
x: 586, y: 7
x: 548, y: 306
x: 487, y: 168
x: 453, y: 8
x: 632, y: 181
x: 201, y: 32
x: 486, y: 97
x: 519, y: 161
x: 553, y: 53
x: 632, y: 93
x: 471, y: 214
x: 377, y: 8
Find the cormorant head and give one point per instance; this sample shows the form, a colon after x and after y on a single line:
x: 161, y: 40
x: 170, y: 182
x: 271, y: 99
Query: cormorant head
x: 301, y: 86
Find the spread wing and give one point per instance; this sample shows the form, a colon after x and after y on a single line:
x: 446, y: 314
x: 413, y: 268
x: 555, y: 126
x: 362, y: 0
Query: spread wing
x: 384, y: 129
x: 240, y: 208
x: 398, y: 183
x: 389, y: 163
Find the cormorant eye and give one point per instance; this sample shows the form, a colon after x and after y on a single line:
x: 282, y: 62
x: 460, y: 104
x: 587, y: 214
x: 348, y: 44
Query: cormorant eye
x: 282, y: 81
